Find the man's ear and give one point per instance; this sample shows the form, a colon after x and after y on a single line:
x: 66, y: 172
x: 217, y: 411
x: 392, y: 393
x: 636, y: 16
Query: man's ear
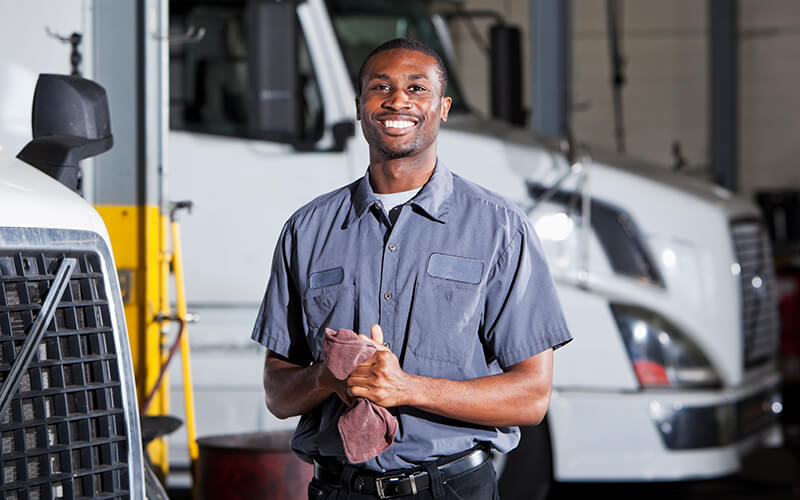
x: 358, y: 109
x: 446, y: 102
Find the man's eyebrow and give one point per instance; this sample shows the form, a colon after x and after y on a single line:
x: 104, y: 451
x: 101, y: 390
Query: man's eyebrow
x: 384, y: 76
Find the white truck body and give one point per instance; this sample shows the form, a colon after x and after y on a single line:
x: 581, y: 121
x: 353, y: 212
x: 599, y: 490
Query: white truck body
x: 29, y: 199
x: 604, y: 425
x: 42, y: 221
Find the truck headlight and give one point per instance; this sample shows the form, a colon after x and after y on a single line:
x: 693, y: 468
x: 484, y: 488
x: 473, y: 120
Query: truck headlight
x: 661, y: 354
x: 554, y: 227
x: 616, y: 231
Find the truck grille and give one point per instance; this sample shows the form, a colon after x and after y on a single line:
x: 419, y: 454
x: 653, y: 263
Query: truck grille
x: 64, y: 433
x: 759, y: 296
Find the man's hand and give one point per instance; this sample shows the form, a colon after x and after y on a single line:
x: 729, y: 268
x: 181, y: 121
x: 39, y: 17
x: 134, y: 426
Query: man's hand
x: 518, y: 396
x: 327, y: 380
x: 380, y: 379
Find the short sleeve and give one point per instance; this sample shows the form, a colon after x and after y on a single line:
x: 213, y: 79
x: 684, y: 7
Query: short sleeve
x: 523, y: 315
x: 279, y: 324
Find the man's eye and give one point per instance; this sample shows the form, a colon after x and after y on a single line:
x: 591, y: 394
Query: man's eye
x: 380, y: 86
x: 417, y: 88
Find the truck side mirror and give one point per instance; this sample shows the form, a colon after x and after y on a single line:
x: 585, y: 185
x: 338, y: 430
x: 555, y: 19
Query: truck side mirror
x: 70, y: 123
x: 506, y: 73
x: 272, y: 55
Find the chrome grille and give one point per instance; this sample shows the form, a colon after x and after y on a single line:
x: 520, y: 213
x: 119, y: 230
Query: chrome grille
x: 760, y: 321
x: 64, y: 433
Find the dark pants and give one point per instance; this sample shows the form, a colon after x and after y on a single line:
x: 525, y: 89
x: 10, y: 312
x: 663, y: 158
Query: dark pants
x: 477, y: 484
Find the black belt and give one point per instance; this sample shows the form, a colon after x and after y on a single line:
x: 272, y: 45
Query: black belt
x: 405, y: 483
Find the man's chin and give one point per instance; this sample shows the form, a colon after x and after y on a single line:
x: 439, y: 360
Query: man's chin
x: 394, y: 153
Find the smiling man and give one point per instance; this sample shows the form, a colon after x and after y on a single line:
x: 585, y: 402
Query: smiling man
x: 447, y: 280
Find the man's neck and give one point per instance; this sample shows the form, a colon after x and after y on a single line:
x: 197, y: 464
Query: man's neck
x: 400, y: 174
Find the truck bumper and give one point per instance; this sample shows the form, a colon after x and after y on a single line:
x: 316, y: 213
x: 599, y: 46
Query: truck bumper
x: 661, y: 435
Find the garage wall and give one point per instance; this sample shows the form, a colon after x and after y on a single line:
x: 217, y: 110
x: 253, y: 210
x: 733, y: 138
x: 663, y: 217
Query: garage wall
x: 27, y: 50
x: 769, y: 94
x: 473, y: 66
x: 666, y: 100
x: 665, y: 97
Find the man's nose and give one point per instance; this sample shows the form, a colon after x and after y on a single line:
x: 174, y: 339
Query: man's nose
x: 397, y: 100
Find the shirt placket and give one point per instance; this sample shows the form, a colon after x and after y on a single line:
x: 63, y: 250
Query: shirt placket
x: 388, y: 301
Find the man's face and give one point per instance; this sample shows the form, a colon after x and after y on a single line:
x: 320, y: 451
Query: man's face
x: 401, y: 103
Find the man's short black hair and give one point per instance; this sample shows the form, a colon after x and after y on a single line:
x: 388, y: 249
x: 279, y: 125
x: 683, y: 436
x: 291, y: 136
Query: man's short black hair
x: 407, y: 44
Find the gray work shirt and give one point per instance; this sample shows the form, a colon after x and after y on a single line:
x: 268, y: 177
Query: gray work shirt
x: 459, y: 285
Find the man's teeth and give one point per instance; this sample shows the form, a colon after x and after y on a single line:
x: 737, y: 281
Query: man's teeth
x: 397, y: 124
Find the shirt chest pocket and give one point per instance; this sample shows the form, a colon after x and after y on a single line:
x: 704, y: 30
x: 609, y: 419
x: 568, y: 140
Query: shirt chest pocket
x: 447, y: 312
x: 329, y: 303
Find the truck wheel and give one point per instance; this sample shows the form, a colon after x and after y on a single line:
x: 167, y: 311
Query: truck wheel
x: 528, y: 470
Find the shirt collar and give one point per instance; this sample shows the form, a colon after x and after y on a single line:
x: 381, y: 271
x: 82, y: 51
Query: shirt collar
x: 433, y: 199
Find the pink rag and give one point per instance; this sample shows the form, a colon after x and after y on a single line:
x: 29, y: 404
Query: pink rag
x: 367, y: 429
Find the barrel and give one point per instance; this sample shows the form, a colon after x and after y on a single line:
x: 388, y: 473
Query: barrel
x: 251, y: 466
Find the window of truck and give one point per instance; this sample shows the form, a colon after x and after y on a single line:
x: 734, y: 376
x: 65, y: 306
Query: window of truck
x: 209, y: 77
x: 362, y: 25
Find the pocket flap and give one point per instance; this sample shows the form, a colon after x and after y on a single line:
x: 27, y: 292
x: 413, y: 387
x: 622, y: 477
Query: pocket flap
x: 454, y: 268
x: 326, y: 278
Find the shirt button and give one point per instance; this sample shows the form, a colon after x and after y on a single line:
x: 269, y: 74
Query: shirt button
x: 392, y: 247
x: 387, y: 295
x: 376, y: 206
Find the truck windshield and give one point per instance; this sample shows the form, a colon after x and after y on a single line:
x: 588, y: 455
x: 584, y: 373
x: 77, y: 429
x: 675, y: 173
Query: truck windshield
x: 362, y: 25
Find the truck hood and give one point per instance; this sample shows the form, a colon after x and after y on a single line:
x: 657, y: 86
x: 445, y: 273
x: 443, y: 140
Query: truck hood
x: 30, y: 198
x: 539, y: 157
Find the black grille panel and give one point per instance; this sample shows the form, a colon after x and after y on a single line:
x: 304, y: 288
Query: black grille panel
x: 64, y: 433
x: 759, y: 296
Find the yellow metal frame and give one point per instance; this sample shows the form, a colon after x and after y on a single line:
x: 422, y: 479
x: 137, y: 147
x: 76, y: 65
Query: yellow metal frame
x: 140, y: 238
x: 180, y: 304
x: 136, y: 244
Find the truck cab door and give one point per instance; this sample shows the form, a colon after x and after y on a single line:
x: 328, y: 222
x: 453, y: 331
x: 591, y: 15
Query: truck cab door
x: 249, y: 144
x: 262, y: 119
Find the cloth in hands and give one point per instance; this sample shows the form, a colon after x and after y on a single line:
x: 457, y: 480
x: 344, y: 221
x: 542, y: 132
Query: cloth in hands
x: 367, y: 430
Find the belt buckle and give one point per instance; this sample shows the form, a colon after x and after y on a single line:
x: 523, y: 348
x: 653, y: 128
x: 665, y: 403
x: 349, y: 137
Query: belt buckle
x: 380, y: 481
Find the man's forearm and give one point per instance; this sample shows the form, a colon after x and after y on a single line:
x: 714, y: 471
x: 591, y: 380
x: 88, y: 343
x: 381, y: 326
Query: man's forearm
x: 497, y: 400
x: 518, y: 396
x: 292, y: 390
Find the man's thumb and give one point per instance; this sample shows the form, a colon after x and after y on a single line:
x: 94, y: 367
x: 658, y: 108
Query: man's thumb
x: 377, y: 334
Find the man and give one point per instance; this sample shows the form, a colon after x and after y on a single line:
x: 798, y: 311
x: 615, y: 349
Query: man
x: 448, y: 280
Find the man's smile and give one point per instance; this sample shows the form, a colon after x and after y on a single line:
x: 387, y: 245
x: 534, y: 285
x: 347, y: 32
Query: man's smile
x: 397, y: 124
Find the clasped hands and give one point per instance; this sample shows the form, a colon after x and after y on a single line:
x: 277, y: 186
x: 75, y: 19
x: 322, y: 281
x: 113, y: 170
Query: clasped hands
x: 379, y: 379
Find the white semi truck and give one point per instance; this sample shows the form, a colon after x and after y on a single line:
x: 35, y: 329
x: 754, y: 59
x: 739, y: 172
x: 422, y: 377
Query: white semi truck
x: 69, y: 418
x: 666, y: 282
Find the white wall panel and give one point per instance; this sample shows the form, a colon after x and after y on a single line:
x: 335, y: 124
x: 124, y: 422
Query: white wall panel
x: 769, y: 104
x: 27, y: 50
x: 666, y: 98
x: 665, y: 46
